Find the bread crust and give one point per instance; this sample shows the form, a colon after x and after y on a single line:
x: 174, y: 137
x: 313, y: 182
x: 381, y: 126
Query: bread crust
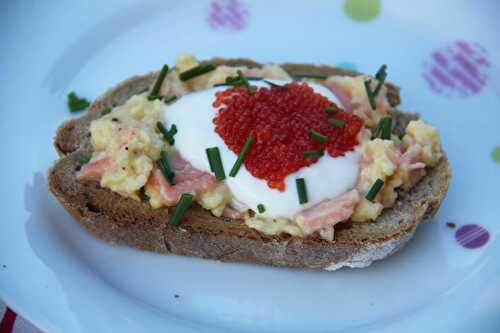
x: 125, y: 221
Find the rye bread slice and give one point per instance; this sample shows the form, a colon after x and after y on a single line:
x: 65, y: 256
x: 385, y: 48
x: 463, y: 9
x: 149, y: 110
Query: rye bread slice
x: 119, y: 220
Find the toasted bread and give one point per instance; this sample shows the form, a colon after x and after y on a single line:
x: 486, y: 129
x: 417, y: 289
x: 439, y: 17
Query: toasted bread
x: 125, y: 221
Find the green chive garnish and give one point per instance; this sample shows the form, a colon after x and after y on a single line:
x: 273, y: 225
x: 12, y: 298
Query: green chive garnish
x: 215, y: 162
x: 311, y: 76
x: 239, y: 80
x: 168, y: 135
x: 196, y: 71
x: 156, y: 88
x: 383, y: 129
x: 84, y: 159
x: 173, y: 129
x: 369, y: 93
x: 76, y: 103
x: 381, y: 75
x: 387, y: 127
x: 301, y: 190
x: 313, y: 154
x: 272, y: 84
x: 166, y: 169
x: 223, y: 85
x: 106, y: 111
x: 244, y: 81
x: 241, y: 156
x: 317, y: 137
x: 180, y: 208
x: 370, y: 196
x: 168, y: 100
x: 261, y: 208
x: 336, y: 122
x: 330, y: 111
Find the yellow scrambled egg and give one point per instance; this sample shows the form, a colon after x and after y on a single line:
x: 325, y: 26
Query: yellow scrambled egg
x: 274, y: 226
x: 382, y: 159
x: 359, y: 100
x: 128, y: 137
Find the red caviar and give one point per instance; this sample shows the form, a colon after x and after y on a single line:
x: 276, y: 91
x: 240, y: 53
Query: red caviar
x: 279, y: 121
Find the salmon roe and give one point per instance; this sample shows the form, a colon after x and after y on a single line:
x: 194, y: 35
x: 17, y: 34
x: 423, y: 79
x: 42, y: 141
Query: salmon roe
x: 279, y: 120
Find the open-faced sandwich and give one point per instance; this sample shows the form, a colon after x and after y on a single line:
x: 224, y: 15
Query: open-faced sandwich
x: 287, y: 165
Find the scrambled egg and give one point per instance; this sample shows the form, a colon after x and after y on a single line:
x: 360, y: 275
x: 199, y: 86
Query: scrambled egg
x: 376, y: 164
x: 219, y: 75
x: 274, y: 226
x: 425, y: 139
x: 128, y: 137
x: 216, y: 200
x: 399, y: 167
x: 359, y: 100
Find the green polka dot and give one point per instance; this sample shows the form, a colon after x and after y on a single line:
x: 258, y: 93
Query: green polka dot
x: 362, y: 10
x: 495, y: 154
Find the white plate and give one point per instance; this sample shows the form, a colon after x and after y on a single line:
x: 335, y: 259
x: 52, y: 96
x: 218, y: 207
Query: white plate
x: 56, y: 275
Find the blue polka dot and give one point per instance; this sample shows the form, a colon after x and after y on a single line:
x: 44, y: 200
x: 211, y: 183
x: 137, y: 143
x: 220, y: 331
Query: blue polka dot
x: 347, y: 65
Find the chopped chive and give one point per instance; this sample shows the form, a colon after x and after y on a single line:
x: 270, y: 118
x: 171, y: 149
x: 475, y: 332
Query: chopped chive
x: 237, y: 165
x: 254, y: 78
x: 261, y: 208
x: 152, y: 98
x: 376, y: 132
x: 233, y: 79
x: 313, y: 154
x: 272, y: 84
x: 381, y: 75
x: 76, y: 103
x: 166, y: 169
x: 215, y: 163
x: 168, y: 100
x: 196, y: 71
x: 244, y: 81
x: 336, y: 122
x: 370, y: 196
x: 180, y: 208
x: 156, y: 87
x: 301, y: 190
x: 330, y: 111
x: 168, y: 135
x: 173, y: 129
x: 311, y: 76
x: 369, y: 93
x: 224, y: 85
x: 106, y: 111
x: 239, y: 80
x: 383, y: 129
x: 81, y: 158
x: 317, y: 137
x: 386, y: 129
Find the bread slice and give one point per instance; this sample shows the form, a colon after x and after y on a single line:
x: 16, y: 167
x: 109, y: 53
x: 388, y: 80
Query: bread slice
x: 119, y: 220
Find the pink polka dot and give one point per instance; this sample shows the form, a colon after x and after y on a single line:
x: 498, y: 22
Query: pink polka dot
x: 227, y: 14
x: 472, y: 236
x: 457, y: 70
